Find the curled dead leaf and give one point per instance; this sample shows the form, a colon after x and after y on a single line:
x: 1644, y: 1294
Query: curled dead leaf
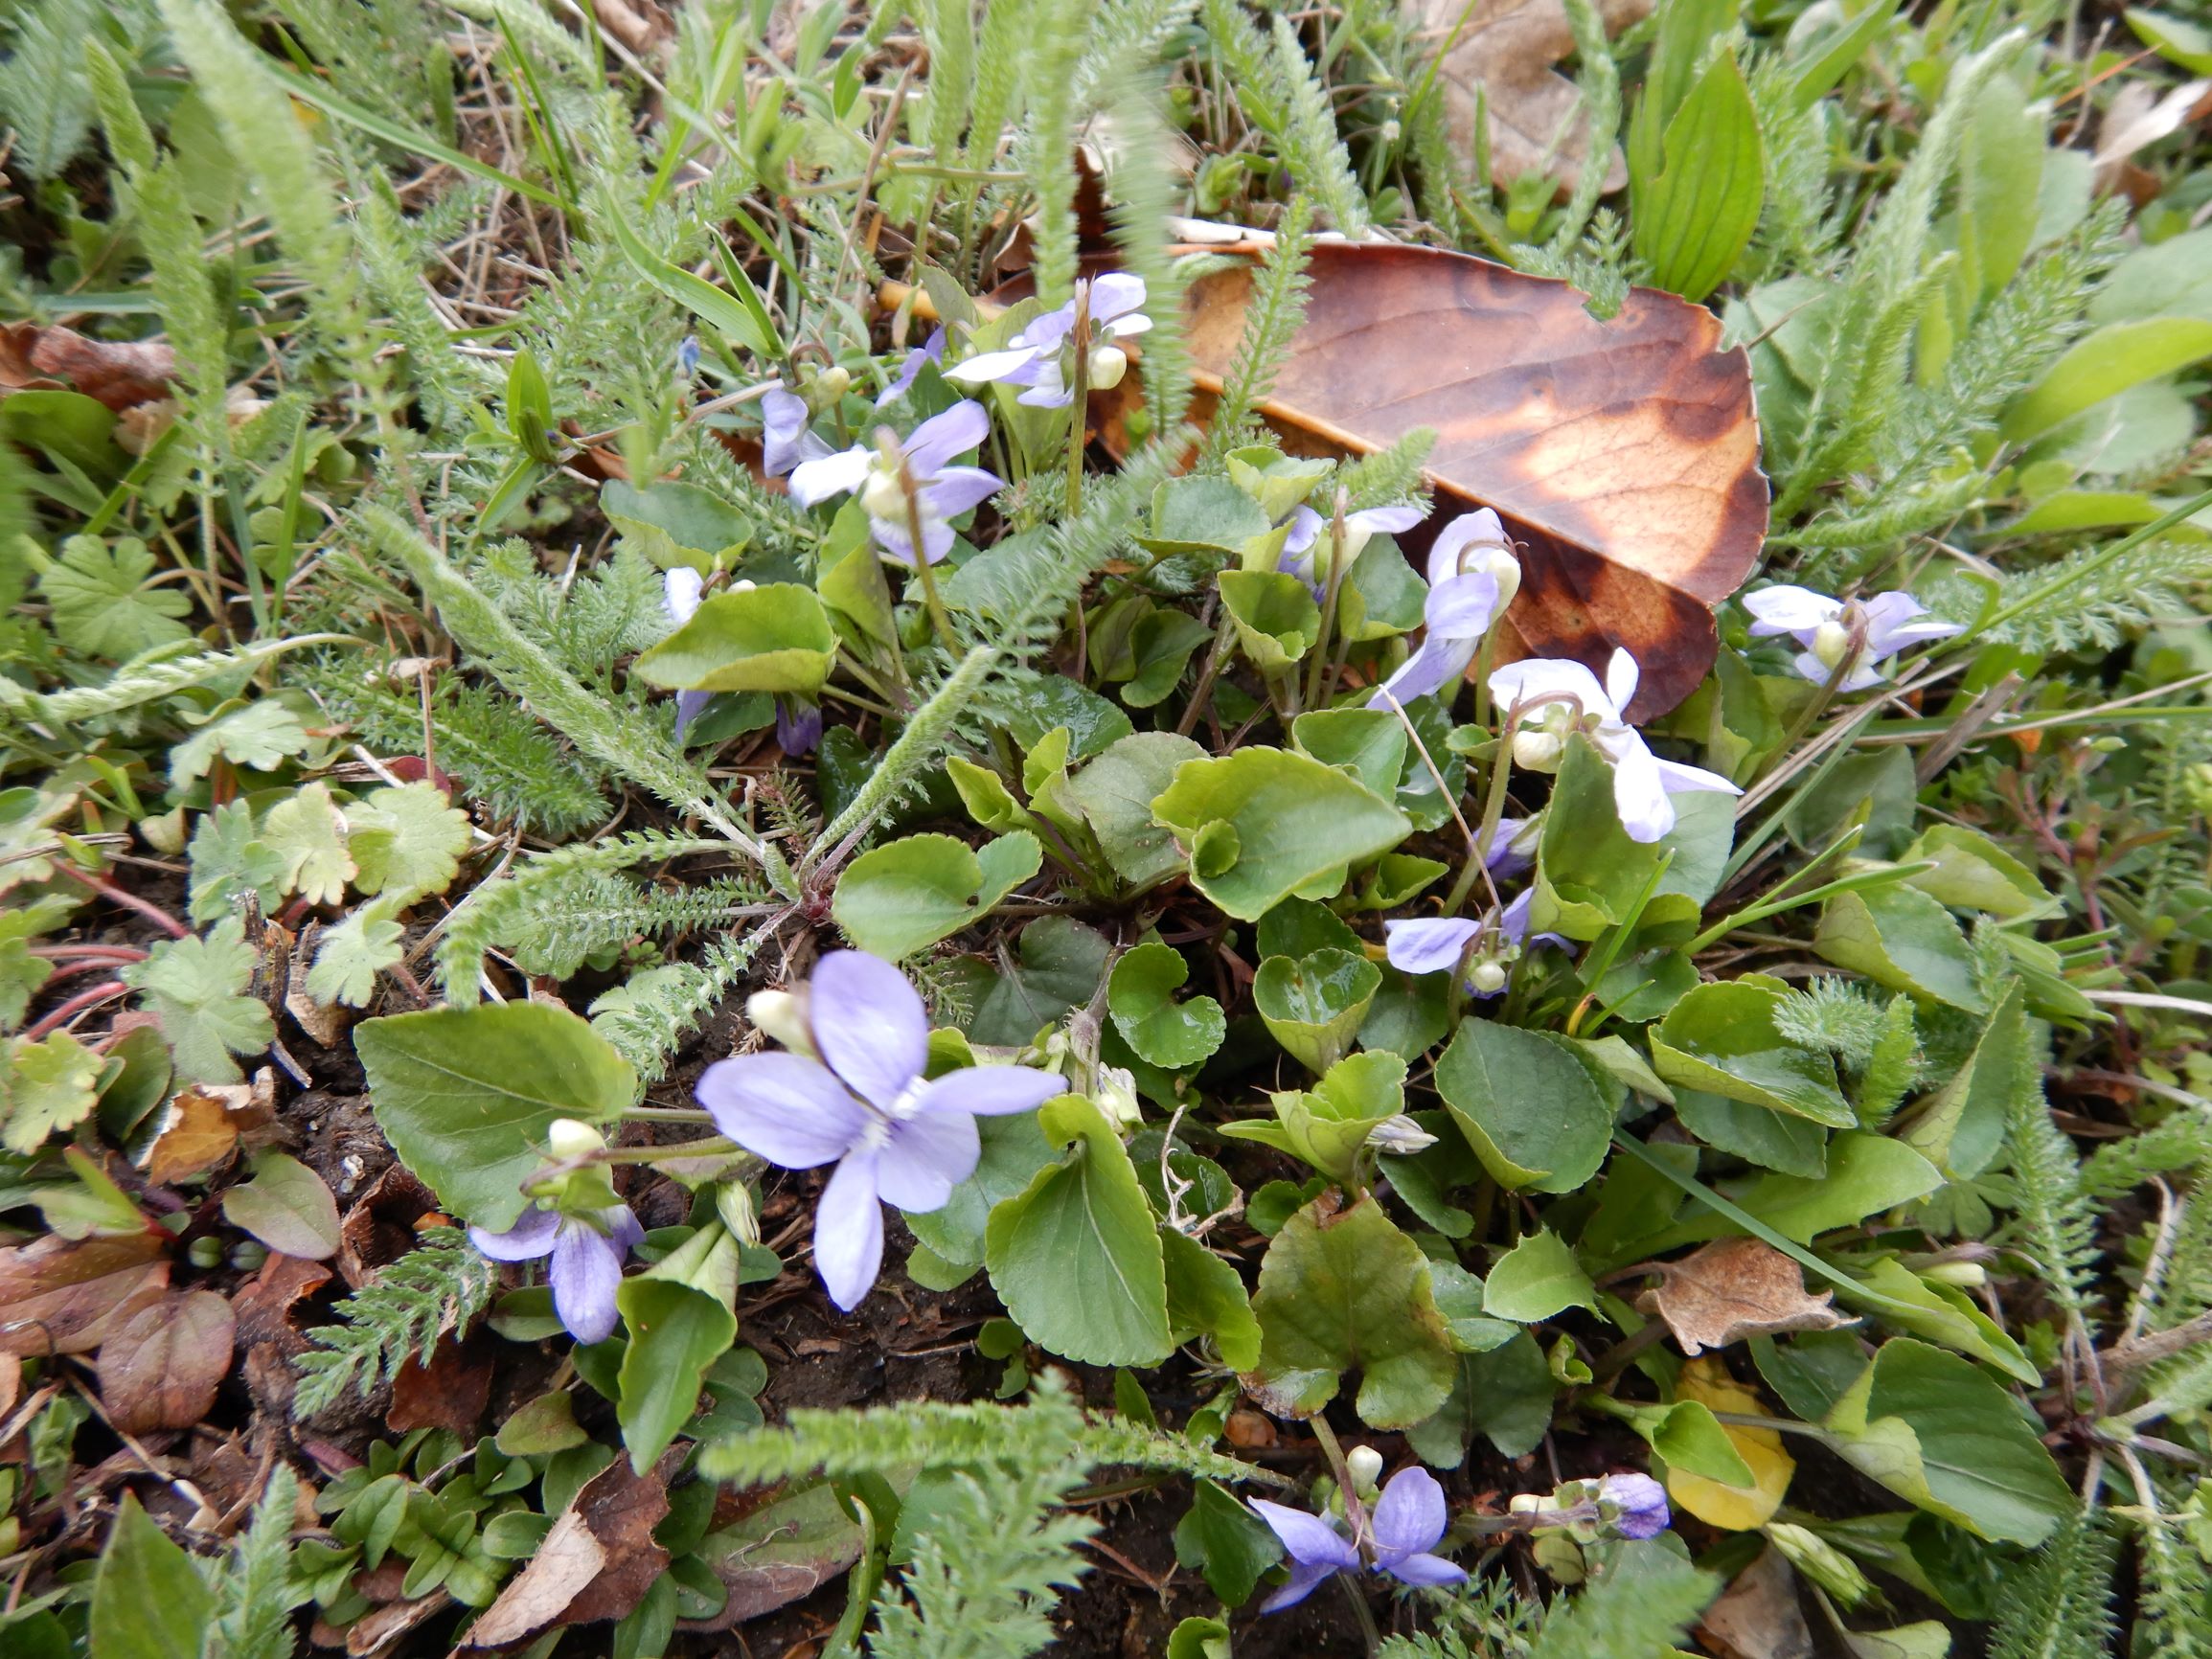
x: 120, y: 375
x: 59, y: 1296
x: 1623, y: 455
x: 201, y: 1127
x: 163, y: 1365
x: 1733, y: 1289
x: 1501, y: 65
x: 451, y: 1393
x: 1758, y: 1615
x: 597, y: 1562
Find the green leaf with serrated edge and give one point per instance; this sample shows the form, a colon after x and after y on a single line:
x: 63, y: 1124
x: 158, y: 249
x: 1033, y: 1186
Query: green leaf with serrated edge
x: 196, y: 988
x: 1206, y: 1298
x: 228, y: 863
x: 259, y: 734
x: 99, y: 604
x: 680, y: 1315
x: 1160, y: 649
x: 309, y: 831
x: 771, y: 638
x: 1314, y: 1005
x: 1939, y: 1433
x: 1961, y: 1126
x: 1526, y: 1103
x: 1458, y: 1297
x: 1225, y: 1542
x: 1589, y: 874
x: 1535, y: 1279
x: 1200, y: 514
x: 353, y: 952
x: 987, y: 798
x: 1345, y: 1290
x: 44, y: 1087
x: 465, y: 1095
x: 1140, y: 995
x: 906, y: 895
x: 1076, y: 1257
x: 1904, y: 939
x: 1972, y: 872
x: 1721, y: 1037
x: 149, y: 1600
x: 1279, y: 824
x: 406, y: 840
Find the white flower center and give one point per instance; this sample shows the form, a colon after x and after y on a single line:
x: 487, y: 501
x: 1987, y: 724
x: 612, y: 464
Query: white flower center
x: 882, y: 494
x: 1832, y: 642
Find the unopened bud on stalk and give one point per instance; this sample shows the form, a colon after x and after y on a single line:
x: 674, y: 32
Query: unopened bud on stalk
x: 1107, y: 366
x: 829, y: 385
x: 1117, y: 1096
x: 568, y: 1139
x: 783, y: 1016
x: 1965, y: 1275
x: 1536, y: 750
x: 1399, y: 1136
x: 1365, y: 1464
x: 1486, y: 978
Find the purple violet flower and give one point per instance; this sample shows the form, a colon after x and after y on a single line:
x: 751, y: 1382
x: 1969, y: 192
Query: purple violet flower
x: 788, y: 437
x: 1463, y: 602
x: 1303, y: 548
x: 1032, y: 359
x: 1435, y: 944
x: 930, y: 351
x: 1823, y: 628
x: 944, y: 492
x: 1642, y: 1503
x: 1407, y: 1522
x: 587, y: 1257
x: 865, y: 1107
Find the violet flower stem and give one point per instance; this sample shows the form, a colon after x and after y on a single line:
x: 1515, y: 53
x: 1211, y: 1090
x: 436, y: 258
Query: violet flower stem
x: 1079, y: 404
x: 1329, y: 597
x: 1493, y: 813
x: 1354, y: 1512
x: 938, y: 620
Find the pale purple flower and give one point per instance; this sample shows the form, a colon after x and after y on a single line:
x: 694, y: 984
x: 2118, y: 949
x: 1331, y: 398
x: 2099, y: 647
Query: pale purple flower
x: 1642, y: 1503
x: 798, y: 724
x: 1033, y: 357
x: 1558, y: 696
x: 864, y: 1105
x: 1467, y: 592
x: 787, y: 439
x: 587, y: 1256
x: 1435, y: 944
x: 1823, y: 628
x: 1407, y: 1522
x: 688, y: 358
x: 943, y: 490
x: 931, y: 351
x: 1304, y: 548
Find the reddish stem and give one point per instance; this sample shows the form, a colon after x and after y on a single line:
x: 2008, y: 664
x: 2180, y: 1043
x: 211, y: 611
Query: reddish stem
x: 115, y: 894
x: 92, y: 997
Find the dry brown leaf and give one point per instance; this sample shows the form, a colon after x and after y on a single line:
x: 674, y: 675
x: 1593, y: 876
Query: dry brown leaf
x: 1623, y: 455
x: 162, y: 1367
x: 597, y: 1562
x: 1733, y: 1289
x: 263, y: 1305
x: 121, y: 375
x: 1504, y: 59
x: 59, y: 1296
x: 451, y: 1393
x: 201, y: 1125
x: 1757, y: 1616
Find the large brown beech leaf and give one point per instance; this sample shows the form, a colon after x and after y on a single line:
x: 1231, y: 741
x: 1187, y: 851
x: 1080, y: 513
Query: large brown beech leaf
x: 1623, y: 455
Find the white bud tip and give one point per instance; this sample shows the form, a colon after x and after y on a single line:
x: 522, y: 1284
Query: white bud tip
x: 569, y: 1138
x: 1538, y: 751
x: 1488, y: 978
x: 1106, y: 369
x: 1365, y: 1464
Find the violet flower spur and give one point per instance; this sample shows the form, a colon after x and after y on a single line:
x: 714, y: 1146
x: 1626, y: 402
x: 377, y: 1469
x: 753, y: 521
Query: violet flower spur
x: 587, y: 1256
x: 1824, y: 628
x: 923, y: 462
x: 1033, y: 357
x: 865, y: 1107
x: 1558, y: 696
x: 1405, y: 1524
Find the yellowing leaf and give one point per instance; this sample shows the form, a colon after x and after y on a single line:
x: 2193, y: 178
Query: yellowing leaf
x: 1734, y: 1509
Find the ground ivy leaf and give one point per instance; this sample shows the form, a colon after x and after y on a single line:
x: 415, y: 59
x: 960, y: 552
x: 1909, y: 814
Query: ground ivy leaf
x: 1345, y: 1289
x: 258, y: 736
x: 1140, y: 995
x: 308, y: 832
x: 1526, y: 1103
x: 1076, y: 1257
x: 407, y: 840
x: 465, y: 1095
x: 1535, y: 1279
x: 195, y: 988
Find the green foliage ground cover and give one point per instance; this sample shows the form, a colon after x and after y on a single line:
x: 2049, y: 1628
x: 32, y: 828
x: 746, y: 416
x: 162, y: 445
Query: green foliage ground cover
x: 445, y: 655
